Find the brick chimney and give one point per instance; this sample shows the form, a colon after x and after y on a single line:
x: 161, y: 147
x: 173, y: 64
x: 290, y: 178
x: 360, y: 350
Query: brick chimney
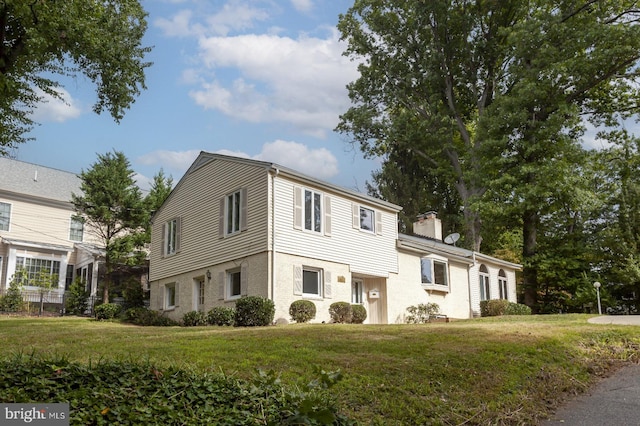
x: 428, y: 225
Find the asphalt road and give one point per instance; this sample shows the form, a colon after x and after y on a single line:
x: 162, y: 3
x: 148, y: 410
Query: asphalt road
x: 615, y: 401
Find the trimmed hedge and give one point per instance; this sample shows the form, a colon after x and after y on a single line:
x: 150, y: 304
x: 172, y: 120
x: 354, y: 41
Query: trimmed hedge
x: 341, y: 312
x: 499, y: 307
x: 254, y: 311
x: 221, y: 315
x: 302, y: 311
x: 358, y: 314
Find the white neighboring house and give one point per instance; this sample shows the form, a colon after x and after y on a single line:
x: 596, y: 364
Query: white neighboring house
x: 234, y: 227
x: 38, y: 231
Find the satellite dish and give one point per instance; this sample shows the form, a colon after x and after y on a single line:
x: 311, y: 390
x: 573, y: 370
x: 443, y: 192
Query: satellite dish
x: 452, y: 238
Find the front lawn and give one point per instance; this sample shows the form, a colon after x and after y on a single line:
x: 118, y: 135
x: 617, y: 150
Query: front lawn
x: 509, y: 370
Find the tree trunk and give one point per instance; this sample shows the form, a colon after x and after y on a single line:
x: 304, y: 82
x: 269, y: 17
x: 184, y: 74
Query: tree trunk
x: 529, y: 273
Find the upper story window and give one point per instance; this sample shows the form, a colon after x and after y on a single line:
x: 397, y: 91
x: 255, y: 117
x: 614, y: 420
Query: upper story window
x: 171, y: 231
x: 485, y: 290
x: 502, y: 284
x: 5, y: 216
x: 312, y: 211
x: 76, y: 229
x: 367, y: 219
x: 233, y: 212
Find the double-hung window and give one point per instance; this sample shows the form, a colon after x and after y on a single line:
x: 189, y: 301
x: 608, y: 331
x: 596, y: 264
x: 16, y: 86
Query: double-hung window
x: 312, y: 211
x: 367, y: 219
x: 171, y: 237
x: 76, y: 229
x: 170, y: 296
x: 233, y: 213
x: 234, y: 283
x: 5, y: 216
x: 485, y: 289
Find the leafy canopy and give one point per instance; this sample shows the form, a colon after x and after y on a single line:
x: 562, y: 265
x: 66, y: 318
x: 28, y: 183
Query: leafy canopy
x: 41, y: 40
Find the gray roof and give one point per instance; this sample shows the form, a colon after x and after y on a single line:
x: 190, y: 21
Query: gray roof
x: 420, y: 243
x: 37, y: 181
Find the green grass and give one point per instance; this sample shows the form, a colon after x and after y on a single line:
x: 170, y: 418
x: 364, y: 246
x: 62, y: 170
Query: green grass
x: 509, y: 370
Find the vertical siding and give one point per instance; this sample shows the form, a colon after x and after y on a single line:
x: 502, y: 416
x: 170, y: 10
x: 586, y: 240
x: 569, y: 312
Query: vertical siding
x: 196, y: 201
x: 364, y: 252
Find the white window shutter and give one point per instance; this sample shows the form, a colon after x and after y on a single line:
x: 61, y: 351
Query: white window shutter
x: 221, y: 219
x: 297, y: 207
x: 163, y: 247
x: 243, y: 209
x: 355, y: 211
x: 328, y: 290
x: 177, y: 290
x: 297, y: 280
x: 244, y: 280
x: 378, y: 223
x: 327, y: 216
x: 178, y: 233
x: 221, y: 285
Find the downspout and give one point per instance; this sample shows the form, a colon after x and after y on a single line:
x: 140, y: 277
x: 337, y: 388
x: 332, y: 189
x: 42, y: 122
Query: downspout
x: 274, y: 173
x: 469, y: 275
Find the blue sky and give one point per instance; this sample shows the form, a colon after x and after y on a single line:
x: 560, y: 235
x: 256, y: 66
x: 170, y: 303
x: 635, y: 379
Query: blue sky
x: 263, y: 79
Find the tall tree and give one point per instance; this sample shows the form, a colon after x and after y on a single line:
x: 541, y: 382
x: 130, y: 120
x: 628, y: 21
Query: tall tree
x: 40, y: 39
x: 160, y: 189
x: 498, y: 90
x: 112, y: 205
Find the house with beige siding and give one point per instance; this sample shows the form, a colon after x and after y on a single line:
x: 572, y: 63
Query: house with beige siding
x: 39, y: 230
x: 234, y: 227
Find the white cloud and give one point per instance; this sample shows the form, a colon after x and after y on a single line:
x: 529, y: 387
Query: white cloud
x: 51, y: 109
x: 302, y: 5
x: 233, y: 16
x: 298, y: 81
x: 319, y: 163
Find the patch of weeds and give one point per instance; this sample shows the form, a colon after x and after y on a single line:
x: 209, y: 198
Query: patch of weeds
x: 114, y: 392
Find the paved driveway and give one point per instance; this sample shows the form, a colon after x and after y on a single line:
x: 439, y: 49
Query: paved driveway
x: 613, y: 401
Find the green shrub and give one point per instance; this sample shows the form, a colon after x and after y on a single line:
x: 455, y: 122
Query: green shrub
x: 194, y: 318
x: 221, y: 315
x: 422, y: 313
x: 76, y: 300
x: 101, y: 393
x: 302, y: 310
x: 133, y: 294
x: 12, y: 301
x: 252, y: 311
x: 341, y: 312
x: 358, y: 314
x: 147, y: 317
x: 493, y: 307
x: 107, y: 311
x: 517, y: 309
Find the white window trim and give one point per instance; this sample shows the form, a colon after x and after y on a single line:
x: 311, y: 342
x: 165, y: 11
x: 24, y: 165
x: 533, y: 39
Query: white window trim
x: 503, y: 285
x: 484, y: 280
x: 357, y: 291
x: 167, y: 288
x: 72, y: 220
x: 242, y: 213
x: 10, y: 212
x: 320, y: 293
x: 229, y: 284
x: 167, y: 230
x: 445, y: 288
